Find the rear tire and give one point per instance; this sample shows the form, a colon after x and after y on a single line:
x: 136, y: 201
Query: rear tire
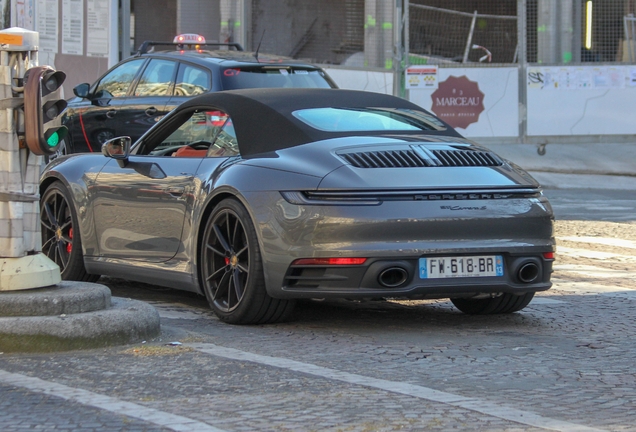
x: 504, y: 304
x: 61, y: 240
x: 232, y: 269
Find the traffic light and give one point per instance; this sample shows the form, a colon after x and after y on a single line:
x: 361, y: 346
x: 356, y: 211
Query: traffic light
x: 42, y: 106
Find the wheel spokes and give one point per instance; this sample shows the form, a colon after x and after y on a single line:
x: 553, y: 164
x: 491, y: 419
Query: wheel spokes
x: 50, y: 217
x: 226, y: 261
x: 57, y: 238
x: 61, y: 250
x: 238, y: 284
x: 222, y: 286
x: 221, y: 239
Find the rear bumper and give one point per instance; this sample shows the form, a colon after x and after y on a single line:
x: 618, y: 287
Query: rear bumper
x: 395, y: 235
x: 391, y: 277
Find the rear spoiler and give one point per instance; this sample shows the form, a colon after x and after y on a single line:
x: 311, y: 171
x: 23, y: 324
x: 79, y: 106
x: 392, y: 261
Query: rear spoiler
x: 146, y: 45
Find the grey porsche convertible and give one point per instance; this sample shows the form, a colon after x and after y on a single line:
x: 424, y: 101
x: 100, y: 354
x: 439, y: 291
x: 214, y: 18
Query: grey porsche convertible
x: 257, y: 198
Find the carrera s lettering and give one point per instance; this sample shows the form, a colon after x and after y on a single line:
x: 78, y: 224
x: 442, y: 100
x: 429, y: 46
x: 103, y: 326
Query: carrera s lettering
x: 463, y: 208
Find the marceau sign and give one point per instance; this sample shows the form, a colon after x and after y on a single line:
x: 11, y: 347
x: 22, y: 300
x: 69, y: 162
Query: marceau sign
x: 458, y: 101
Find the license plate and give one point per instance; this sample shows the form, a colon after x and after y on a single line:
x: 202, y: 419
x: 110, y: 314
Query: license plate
x: 461, y: 266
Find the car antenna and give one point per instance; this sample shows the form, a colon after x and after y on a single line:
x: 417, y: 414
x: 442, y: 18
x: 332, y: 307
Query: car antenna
x: 259, y: 46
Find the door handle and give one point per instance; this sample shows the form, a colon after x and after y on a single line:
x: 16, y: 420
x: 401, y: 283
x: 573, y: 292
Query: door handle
x: 175, y: 191
x: 151, y: 111
x: 111, y: 113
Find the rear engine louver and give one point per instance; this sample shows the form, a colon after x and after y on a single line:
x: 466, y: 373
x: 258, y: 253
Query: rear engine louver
x: 386, y: 159
x: 411, y: 159
x: 469, y: 158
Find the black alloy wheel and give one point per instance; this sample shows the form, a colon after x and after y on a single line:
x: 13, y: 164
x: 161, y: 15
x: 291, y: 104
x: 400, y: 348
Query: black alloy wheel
x: 232, y: 270
x: 61, y: 240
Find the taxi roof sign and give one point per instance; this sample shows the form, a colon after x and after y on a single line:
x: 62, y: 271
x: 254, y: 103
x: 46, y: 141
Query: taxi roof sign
x: 189, y: 38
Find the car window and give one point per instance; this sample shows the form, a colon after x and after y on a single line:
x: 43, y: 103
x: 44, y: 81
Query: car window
x: 191, y: 81
x: 117, y: 81
x: 156, y: 78
x: 271, y: 76
x: 203, y: 133
x: 368, y: 119
x: 225, y: 143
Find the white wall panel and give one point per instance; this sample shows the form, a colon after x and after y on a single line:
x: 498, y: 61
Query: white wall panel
x: 581, y: 100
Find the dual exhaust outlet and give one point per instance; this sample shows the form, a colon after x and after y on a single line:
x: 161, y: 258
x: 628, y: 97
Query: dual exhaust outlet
x: 392, y: 277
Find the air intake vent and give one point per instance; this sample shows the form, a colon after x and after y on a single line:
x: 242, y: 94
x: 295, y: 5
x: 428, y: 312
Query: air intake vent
x: 468, y: 158
x: 385, y: 159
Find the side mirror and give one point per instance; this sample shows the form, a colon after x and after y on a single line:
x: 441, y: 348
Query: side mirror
x: 117, y: 148
x: 82, y: 90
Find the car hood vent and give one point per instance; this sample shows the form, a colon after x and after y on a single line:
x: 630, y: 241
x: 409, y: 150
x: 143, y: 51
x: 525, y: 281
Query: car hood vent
x: 469, y: 158
x: 386, y: 159
x: 420, y: 156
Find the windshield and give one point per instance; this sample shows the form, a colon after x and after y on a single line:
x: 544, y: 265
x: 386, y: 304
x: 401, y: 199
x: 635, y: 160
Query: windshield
x: 270, y: 77
x: 368, y: 119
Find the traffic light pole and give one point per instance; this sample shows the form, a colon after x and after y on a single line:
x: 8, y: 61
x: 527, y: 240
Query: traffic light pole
x: 22, y: 265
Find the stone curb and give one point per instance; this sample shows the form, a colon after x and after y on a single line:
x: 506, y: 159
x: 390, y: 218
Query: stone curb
x: 64, y: 298
x: 127, y: 321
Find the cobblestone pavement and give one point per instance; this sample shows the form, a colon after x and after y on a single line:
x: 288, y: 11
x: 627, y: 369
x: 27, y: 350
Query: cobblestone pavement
x: 566, y: 362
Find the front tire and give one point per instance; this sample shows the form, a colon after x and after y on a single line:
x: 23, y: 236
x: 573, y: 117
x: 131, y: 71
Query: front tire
x: 61, y: 240
x: 232, y: 269
x: 504, y: 304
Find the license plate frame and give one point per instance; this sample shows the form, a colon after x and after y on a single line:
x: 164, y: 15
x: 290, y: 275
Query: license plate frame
x: 461, y: 266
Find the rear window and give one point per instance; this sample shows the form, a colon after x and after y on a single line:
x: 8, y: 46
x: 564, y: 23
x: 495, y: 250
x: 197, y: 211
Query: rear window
x: 272, y: 77
x: 368, y: 119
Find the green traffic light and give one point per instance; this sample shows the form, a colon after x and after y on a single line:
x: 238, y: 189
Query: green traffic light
x: 53, y: 140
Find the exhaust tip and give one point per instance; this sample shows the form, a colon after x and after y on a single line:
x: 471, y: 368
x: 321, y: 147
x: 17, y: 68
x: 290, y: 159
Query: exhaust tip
x: 393, y: 277
x: 528, y: 272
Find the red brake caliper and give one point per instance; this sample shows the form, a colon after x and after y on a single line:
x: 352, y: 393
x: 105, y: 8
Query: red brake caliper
x: 69, y: 246
x: 227, y: 261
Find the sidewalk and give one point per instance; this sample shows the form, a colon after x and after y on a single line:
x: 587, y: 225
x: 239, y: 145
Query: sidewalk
x: 570, y: 166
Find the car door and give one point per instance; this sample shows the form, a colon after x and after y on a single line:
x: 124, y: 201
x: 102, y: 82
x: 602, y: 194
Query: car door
x: 140, y: 206
x: 95, y: 118
x: 146, y: 105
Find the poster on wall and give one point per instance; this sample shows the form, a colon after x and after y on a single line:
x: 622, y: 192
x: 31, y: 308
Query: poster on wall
x: 576, y: 78
x: 73, y: 27
x: 24, y: 14
x: 97, y: 23
x: 421, y: 77
x: 47, y: 25
x: 571, y: 100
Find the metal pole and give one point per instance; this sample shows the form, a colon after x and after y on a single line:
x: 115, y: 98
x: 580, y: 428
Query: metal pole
x: 566, y: 31
x: 577, y: 35
x: 547, y: 36
x: 398, y: 48
x: 628, y: 24
x: 523, y: 68
x: 113, y: 34
x: 469, y: 41
x: 125, y: 29
x: 406, y: 63
x: 631, y: 39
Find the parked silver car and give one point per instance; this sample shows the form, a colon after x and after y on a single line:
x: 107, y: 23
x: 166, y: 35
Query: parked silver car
x: 255, y: 198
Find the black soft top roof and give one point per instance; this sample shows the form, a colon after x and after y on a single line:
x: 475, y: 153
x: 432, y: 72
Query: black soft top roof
x: 263, y: 118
